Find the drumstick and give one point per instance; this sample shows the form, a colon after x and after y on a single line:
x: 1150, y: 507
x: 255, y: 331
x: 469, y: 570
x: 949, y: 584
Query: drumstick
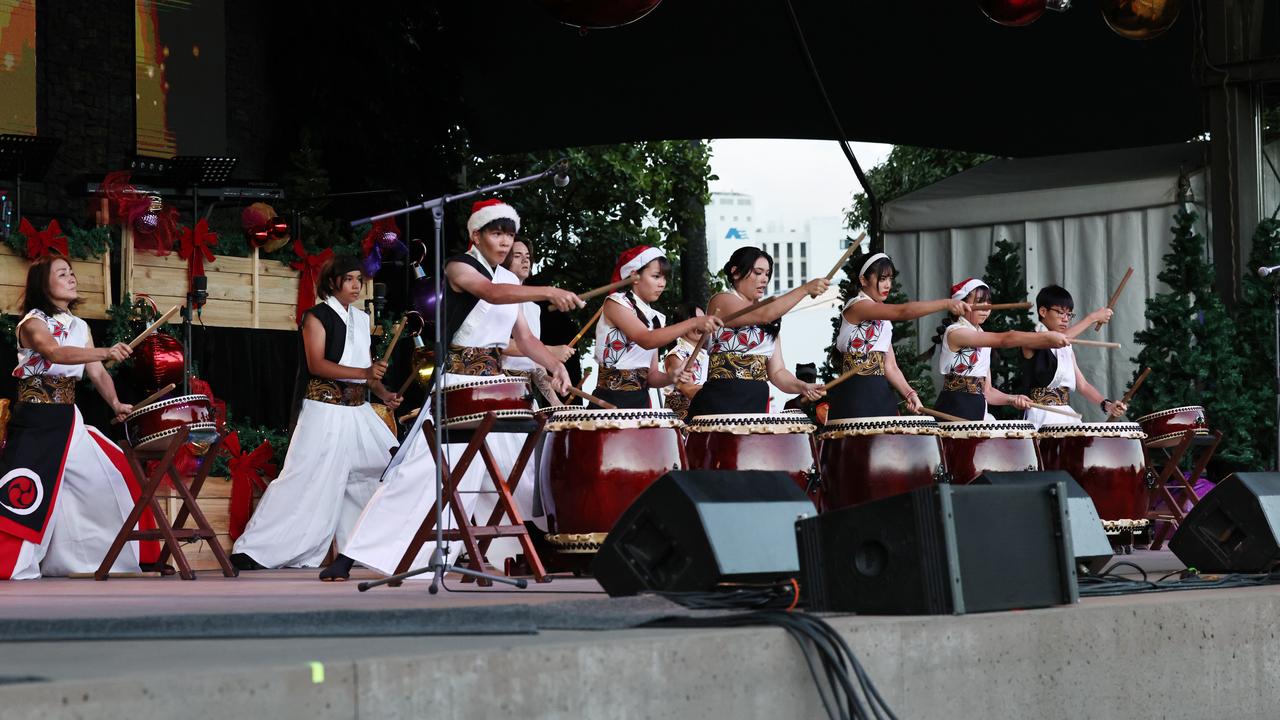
x: 1111, y: 305
x: 605, y: 289
x: 410, y: 416
x: 1001, y: 306
x: 1096, y: 343
x: 151, y: 398
x: 585, y: 374
x: 592, y: 399
x: 941, y: 415
x: 844, y: 376
x: 845, y: 257
x: 150, y: 329
x: 1112, y: 416
x: 1056, y: 409
x: 583, y: 332
x: 395, y: 338
x: 409, y: 380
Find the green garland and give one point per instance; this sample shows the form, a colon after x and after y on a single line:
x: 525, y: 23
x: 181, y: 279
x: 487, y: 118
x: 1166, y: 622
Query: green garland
x: 251, y: 436
x: 82, y: 243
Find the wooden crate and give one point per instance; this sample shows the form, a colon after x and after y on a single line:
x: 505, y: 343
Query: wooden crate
x: 93, y: 279
x: 243, y: 292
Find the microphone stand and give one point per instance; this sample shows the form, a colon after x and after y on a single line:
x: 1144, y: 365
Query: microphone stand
x: 1275, y: 309
x: 438, y: 565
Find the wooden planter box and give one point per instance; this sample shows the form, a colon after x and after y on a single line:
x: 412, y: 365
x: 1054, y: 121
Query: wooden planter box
x: 215, y: 502
x: 93, y: 279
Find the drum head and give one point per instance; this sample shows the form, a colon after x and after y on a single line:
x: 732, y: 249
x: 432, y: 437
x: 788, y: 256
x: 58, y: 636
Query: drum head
x: 752, y: 424
x: 620, y: 419
x: 466, y: 422
x: 988, y: 429
x: 1103, y: 429
x: 888, y: 425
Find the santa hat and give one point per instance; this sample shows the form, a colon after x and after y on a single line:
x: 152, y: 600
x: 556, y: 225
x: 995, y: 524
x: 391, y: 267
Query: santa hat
x: 961, y: 290
x: 486, y: 211
x: 632, y: 260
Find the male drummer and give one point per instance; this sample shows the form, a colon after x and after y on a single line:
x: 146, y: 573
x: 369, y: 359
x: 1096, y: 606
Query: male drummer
x: 483, y: 301
x: 1051, y: 374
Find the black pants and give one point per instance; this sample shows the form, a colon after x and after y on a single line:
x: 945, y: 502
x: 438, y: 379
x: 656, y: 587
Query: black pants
x: 730, y: 397
x: 625, y: 399
x: 970, y: 406
x: 862, y: 396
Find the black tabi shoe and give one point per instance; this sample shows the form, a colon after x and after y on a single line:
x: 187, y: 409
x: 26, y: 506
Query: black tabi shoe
x: 338, y: 571
x: 240, y: 561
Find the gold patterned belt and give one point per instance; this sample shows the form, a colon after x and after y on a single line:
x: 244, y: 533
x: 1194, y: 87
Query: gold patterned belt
x: 868, y: 363
x: 1051, y: 396
x: 624, y: 380
x: 731, y: 366
x: 474, y: 360
x: 336, y: 392
x: 962, y: 383
x: 47, y: 389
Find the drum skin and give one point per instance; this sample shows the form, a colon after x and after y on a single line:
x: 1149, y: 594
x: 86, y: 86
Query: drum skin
x: 156, y: 418
x: 968, y: 457
x: 792, y: 453
x: 860, y: 468
x: 1111, y: 469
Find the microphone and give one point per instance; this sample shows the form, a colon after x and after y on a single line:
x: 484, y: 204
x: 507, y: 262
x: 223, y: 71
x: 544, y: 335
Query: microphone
x: 561, y: 178
x: 200, y: 290
x: 379, y: 300
x: 1265, y: 271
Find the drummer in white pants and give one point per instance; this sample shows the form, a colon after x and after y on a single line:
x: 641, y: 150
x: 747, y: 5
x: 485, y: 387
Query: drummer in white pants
x: 483, y: 303
x: 339, y: 445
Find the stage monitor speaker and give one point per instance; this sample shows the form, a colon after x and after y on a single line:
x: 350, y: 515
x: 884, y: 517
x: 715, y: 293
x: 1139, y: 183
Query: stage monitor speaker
x: 1234, y: 527
x: 941, y: 549
x: 1089, y: 542
x: 692, y: 530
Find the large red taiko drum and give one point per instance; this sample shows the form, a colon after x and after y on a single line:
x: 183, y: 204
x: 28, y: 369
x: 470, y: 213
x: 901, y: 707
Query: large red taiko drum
x: 754, y: 441
x: 870, y: 458
x: 972, y: 448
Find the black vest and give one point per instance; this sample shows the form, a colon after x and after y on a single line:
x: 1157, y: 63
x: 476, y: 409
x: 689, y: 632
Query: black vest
x: 335, y: 343
x: 1038, y: 370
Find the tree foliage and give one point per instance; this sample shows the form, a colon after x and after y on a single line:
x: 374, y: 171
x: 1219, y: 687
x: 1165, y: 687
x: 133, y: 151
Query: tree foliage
x: 1255, y: 332
x: 1008, y: 284
x: 908, y: 169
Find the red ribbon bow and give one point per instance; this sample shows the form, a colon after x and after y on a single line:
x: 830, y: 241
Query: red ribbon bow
x: 379, y: 228
x: 309, y: 265
x: 42, y: 242
x: 247, y: 470
x: 195, y: 249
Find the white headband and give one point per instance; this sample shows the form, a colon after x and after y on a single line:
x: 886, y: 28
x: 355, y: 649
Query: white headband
x: 969, y: 286
x: 871, y: 261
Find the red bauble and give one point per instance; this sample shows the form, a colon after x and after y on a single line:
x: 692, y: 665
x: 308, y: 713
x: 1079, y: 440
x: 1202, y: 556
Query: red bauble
x: 146, y: 223
x: 1013, y: 13
x: 158, y: 361
x: 597, y: 14
x: 1140, y: 19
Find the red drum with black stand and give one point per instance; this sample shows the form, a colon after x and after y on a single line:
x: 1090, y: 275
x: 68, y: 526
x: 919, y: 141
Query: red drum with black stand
x: 1166, y: 428
x: 508, y: 398
x: 870, y: 458
x: 972, y: 448
x: 150, y: 428
x: 1109, y: 462
x: 753, y: 441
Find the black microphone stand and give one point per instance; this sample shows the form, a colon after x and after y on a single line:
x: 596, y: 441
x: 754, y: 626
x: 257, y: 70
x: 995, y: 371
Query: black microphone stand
x: 438, y: 564
x: 196, y: 298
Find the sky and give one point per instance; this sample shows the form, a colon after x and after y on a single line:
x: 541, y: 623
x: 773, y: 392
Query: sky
x: 791, y: 180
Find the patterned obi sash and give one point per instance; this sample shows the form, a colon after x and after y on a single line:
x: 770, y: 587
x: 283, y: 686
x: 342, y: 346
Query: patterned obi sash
x: 47, y: 389
x: 336, y: 392
x: 731, y: 366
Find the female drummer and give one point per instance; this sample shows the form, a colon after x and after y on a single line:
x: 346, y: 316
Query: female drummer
x: 683, y: 392
x: 66, y: 489
x: 744, y: 357
x: 630, y: 331
x: 339, y: 444
x: 865, y: 343
x: 1051, y: 374
x: 965, y: 359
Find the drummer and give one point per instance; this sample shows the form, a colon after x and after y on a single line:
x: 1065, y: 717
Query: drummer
x: 965, y: 358
x: 67, y: 488
x: 631, y: 331
x: 865, y: 343
x: 744, y: 357
x: 1051, y: 374
x: 339, y: 444
x: 683, y: 392
x: 484, y: 314
x: 514, y: 361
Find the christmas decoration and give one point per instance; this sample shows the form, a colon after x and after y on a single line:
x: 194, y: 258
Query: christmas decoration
x: 44, y: 242
x: 1013, y: 13
x: 383, y: 237
x: 195, y: 249
x: 309, y: 265
x: 1140, y: 19
x: 1255, y: 333
x: 596, y: 15
x: 247, y: 470
x: 155, y: 226
x: 264, y: 228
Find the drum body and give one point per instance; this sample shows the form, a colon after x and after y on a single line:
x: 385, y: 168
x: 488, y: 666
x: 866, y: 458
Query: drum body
x: 596, y: 462
x: 971, y: 448
x: 467, y: 402
x: 1108, y: 461
x: 1166, y: 428
x: 149, y: 428
x: 753, y: 441
x: 869, y: 458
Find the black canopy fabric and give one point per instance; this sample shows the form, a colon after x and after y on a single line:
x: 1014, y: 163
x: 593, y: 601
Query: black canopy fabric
x: 928, y: 73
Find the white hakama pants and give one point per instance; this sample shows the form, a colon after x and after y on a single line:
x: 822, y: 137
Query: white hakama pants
x: 93, y: 502
x: 336, y: 455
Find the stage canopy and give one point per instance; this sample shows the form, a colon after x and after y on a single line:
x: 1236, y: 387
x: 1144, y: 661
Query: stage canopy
x: 935, y: 74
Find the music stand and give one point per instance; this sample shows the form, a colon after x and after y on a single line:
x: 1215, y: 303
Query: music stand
x: 25, y: 156
x: 200, y: 170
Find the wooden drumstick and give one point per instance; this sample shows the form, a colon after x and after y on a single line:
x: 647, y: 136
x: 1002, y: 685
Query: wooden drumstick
x: 1001, y: 306
x: 585, y: 374
x: 845, y: 257
x: 1096, y: 343
x: 592, y: 399
x: 583, y: 332
x: 941, y: 415
x: 150, y: 329
x: 1111, y: 304
x: 1056, y: 409
x: 407, y: 417
x: 395, y: 338
x: 150, y: 399
x: 843, y: 376
x: 409, y: 380
x: 1113, y: 415
x: 605, y: 289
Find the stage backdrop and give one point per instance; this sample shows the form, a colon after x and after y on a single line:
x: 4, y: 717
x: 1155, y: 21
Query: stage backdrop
x: 181, y: 81
x: 18, y: 67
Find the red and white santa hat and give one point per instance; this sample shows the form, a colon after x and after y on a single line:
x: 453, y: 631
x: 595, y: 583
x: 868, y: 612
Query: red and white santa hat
x: 486, y: 211
x: 961, y: 290
x: 630, y: 261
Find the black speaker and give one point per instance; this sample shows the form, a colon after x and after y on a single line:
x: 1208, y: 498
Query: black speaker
x: 1234, y: 526
x: 692, y: 530
x: 941, y: 549
x: 1089, y: 542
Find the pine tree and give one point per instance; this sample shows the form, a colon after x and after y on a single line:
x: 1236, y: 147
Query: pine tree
x: 1192, y: 349
x: 1255, y: 330
x: 1008, y: 284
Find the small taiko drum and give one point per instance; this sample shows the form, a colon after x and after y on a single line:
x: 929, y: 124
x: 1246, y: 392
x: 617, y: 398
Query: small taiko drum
x: 466, y: 403
x: 149, y: 428
x: 594, y: 465
x: 869, y: 458
x: 972, y: 448
x: 753, y: 442
x: 1167, y: 427
x: 1108, y: 461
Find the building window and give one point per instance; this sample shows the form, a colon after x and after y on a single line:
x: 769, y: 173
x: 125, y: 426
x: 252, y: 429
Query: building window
x: 790, y: 271
x: 804, y: 268
x: 775, y: 251
x: 744, y: 201
x: 802, y: 249
x: 789, y: 250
